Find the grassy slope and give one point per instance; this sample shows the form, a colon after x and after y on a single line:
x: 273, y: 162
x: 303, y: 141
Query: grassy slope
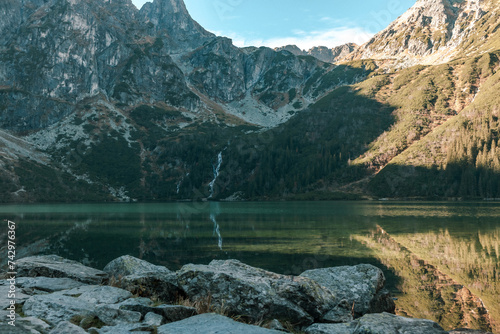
x: 458, y: 158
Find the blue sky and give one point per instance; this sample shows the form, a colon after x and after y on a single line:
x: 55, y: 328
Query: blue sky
x: 306, y: 23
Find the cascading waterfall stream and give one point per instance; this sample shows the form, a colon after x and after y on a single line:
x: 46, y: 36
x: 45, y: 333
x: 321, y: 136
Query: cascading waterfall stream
x: 216, y: 169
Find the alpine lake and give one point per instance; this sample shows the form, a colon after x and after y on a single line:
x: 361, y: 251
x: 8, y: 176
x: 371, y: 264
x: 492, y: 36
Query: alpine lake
x: 441, y: 260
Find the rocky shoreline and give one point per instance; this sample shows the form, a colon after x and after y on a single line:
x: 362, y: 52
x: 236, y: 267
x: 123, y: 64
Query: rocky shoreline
x: 55, y: 295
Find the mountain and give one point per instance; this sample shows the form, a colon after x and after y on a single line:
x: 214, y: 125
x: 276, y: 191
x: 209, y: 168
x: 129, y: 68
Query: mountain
x: 322, y: 52
x: 435, y: 32
x: 100, y: 101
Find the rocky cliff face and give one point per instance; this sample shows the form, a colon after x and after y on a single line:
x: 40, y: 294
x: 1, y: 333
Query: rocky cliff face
x: 434, y: 32
x: 322, y: 52
x: 57, y: 53
x: 171, y: 20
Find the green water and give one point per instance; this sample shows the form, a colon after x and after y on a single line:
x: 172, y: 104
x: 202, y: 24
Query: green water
x: 285, y: 237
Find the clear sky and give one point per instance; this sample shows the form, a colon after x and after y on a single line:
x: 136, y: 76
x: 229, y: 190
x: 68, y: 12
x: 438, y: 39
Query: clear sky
x: 306, y: 23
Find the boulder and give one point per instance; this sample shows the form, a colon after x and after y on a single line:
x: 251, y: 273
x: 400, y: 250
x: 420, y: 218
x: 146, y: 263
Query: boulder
x: 20, y: 297
x: 160, y: 286
x: 276, y: 325
x: 56, y: 307
x: 112, y: 316
x: 24, y: 325
x: 65, y: 327
x: 97, y: 294
x: 345, y: 328
x: 128, y: 265
x: 139, y: 328
x: 386, y: 323
x: 56, y: 266
x: 34, y: 285
x: 153, y: 319
x: 172, y: 313
x: 210, y: 323
x: 382, y: 323
x: 240, y: 289
x: 19, y: 328
x: 361, y: 286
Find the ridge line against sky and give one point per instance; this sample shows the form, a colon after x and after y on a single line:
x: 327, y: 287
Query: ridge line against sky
x: 275, y: 23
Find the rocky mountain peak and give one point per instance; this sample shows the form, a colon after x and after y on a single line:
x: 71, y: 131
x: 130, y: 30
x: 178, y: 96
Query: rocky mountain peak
x: 323, y: 53
x: 171, y: 18
x: 433, y: 31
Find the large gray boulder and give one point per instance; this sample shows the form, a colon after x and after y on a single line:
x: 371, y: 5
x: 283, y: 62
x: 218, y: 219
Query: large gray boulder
x: 5, y: 287
x: 26, y: 325
x: 138, y: 328
x: 144, y: 279
x: 210, y: 323
x: 158, y: 286
x: 65, y: 327
x: 344, y: 328
x: 169, y: 313
x: 361, y: 286
x: 35, y: 285
x: 386, y: 323
x: 112, y: 316
x: 97, y: 294
x: 255, y: 293
x: 382, y: 323
x: 55, y: 307
x: 56, y: 266
x: 128, y: 265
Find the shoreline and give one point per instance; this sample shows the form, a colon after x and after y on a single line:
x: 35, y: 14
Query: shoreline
x: 132, y: 294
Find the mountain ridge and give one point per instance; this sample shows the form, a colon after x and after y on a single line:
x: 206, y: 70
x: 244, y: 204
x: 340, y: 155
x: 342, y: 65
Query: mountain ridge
x: 121, y: 104
x: 435, y: 32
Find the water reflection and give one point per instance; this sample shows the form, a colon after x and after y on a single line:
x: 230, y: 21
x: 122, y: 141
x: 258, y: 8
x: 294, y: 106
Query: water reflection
x: 214, y: 211
x: 441, y: 257
x: 451, y: 279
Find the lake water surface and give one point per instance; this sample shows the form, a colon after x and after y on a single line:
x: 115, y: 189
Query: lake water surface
x: 441, y: 260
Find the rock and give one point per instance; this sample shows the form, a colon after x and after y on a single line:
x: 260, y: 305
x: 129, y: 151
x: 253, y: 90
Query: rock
x: 386, y: 323
x: 57, y: 307
x: 210, y: 323
x: 258, y: 294
x: 361, y: 286
x: 113, y: 316
x: 341, y: 313
x: 128, y: 265
x: 276, y: 325
x: 123, y: 329
x: 161, y: 286
x: 173, y: 313
x: 56, y: 266
x: 47, y: 284
x: 346, y: 328
x: 65, y: 327
x: 4, y: 291
x: 382, y: 323
x: 18, y: 329
x: 96, y: 294
x: 31, y: 324
x: 154, y: 319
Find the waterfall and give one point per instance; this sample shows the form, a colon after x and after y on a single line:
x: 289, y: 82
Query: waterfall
x: 216, y: 170
x: 179, y: 185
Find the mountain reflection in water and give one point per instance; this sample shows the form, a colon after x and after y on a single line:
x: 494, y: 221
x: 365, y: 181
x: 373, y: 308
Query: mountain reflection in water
x: 441, y: 260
